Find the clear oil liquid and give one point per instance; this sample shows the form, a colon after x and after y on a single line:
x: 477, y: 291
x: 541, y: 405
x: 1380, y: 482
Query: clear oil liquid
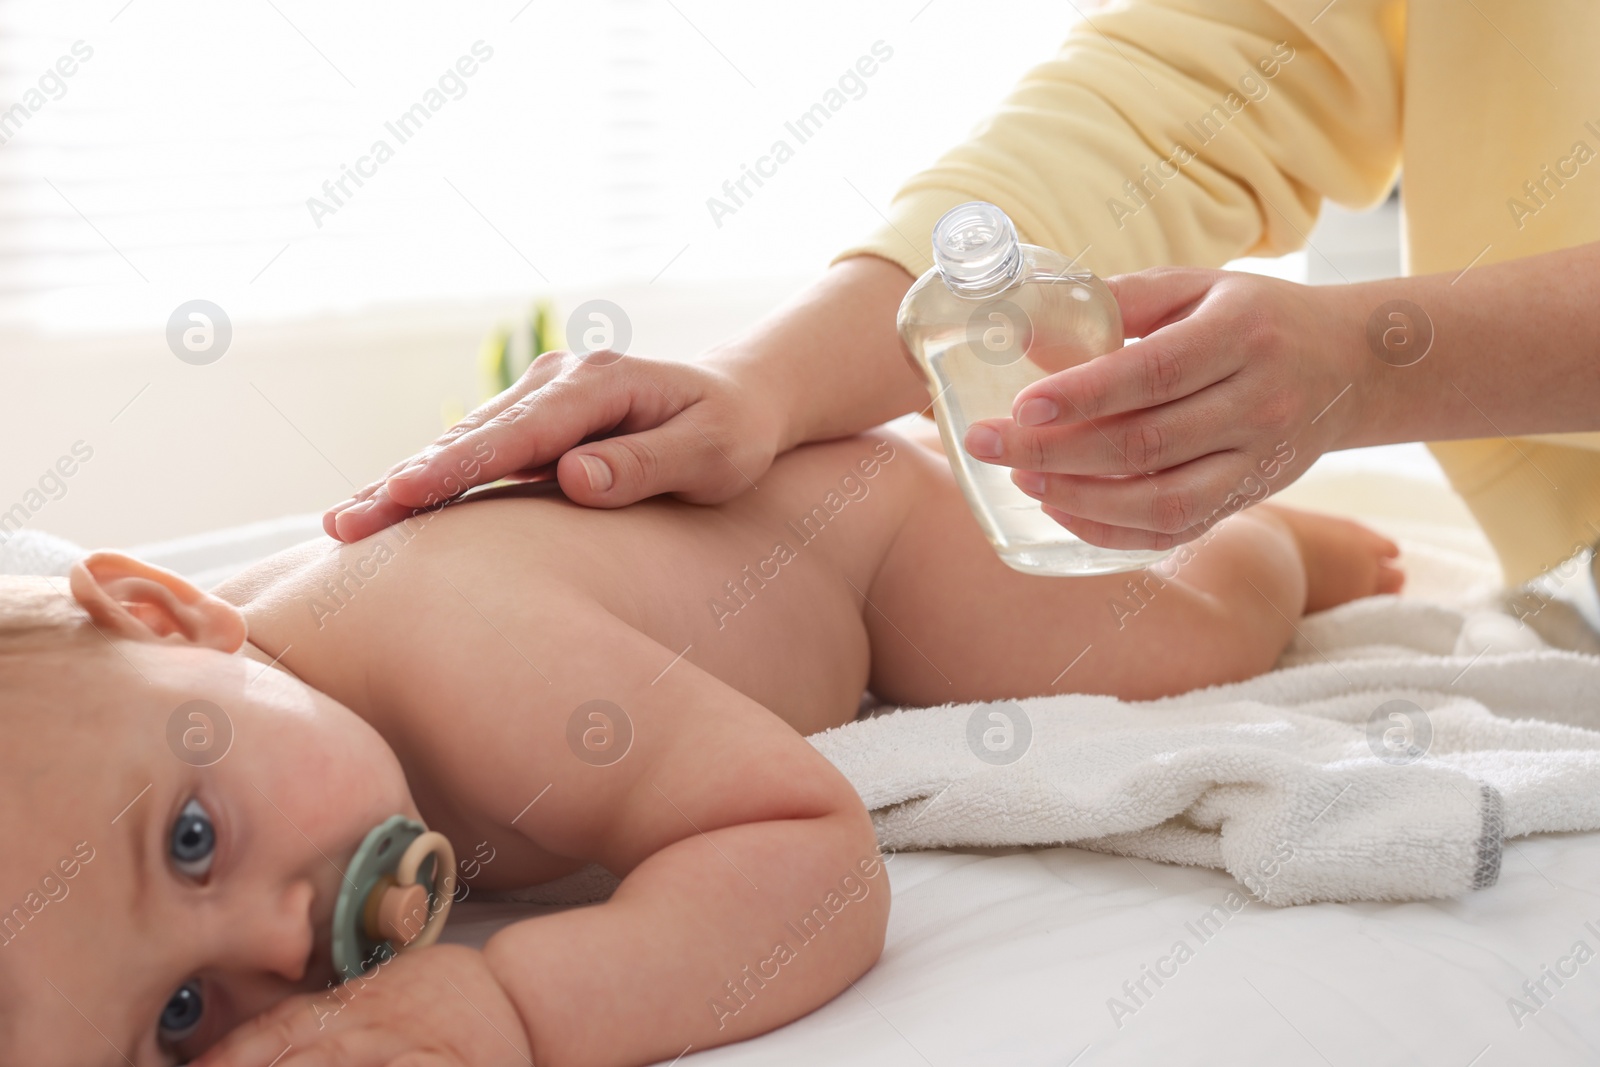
x: 976, y: 355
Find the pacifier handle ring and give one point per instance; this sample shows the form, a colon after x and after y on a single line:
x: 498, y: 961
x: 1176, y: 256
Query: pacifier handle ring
x: 437, y: 845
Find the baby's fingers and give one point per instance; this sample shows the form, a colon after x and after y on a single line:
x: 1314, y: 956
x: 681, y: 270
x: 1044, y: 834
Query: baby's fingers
x: 294, y: 1034
x: 275, y: 1036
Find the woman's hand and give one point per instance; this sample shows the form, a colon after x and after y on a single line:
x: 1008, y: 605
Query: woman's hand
x: 826, y: 364
x: 1143, y: 448
x: 439, y: 1006
x: 645, y: 426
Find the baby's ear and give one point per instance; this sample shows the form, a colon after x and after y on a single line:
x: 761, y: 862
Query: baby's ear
x: 134, y: 599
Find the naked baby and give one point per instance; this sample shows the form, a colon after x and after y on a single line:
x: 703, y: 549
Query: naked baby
x: 449, y: 670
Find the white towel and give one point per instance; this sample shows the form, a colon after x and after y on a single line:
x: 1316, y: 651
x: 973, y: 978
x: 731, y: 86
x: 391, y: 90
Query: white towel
x: 1389, y: 759
x: 36, y: 552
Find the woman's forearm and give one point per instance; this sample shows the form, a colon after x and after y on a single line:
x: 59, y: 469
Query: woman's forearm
x: 832, y: 355
x: 1500, y: 350
x: 1508, y: 348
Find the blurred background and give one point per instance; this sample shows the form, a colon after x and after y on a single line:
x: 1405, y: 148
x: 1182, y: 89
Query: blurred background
x: 194, y: 153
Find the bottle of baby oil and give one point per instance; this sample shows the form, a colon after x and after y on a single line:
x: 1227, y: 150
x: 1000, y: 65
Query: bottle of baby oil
x: 992, y: 316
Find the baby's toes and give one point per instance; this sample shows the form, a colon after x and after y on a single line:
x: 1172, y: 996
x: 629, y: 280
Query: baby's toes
x: 1390, y: 577
x: 1374, y: 542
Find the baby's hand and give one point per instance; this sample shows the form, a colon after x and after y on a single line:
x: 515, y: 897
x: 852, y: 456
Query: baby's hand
x: 438, y: 1006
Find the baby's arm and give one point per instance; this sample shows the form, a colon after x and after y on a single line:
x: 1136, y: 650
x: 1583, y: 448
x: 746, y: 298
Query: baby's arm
x: 740, y: 842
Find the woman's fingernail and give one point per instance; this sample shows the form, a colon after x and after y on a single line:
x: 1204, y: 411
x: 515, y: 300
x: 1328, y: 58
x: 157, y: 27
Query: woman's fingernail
x: 598, y: 473
x: 1037, y: 411
x: 984, y: 442
x: 410, y: 470
x: 343, y: 520
x: 1028, y: 481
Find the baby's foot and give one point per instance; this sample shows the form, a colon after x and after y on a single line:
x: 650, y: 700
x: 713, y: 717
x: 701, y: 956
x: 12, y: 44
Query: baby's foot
x: 1344, y: 560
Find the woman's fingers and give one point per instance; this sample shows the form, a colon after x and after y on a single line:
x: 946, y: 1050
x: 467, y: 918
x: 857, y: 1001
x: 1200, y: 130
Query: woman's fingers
x: 616, y: 471
x: 371, y: 509
x: 1131, y: 443
x: 610, y: 433
x: 366, y: 518
x: 1148, y: 510
x: 560, y: 400
x: 1146, y: 447
x: 1116, y: 537
x: 362, y: 494
x: 537, y: 374
x: 1151, y: 299
x: 1171, y: 361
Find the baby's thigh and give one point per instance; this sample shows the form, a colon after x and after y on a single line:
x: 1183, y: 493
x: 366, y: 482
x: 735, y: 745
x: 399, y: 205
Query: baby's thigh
x: 949, y: 621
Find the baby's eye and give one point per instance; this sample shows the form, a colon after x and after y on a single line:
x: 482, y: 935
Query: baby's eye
x: 182, y: 1015
x: 194, y: 839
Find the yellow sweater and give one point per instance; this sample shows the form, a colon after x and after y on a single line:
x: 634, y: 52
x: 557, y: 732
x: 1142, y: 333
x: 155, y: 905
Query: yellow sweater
x: 1196, y: 131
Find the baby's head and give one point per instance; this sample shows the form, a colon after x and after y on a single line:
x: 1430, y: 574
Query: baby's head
x: 176, y: 816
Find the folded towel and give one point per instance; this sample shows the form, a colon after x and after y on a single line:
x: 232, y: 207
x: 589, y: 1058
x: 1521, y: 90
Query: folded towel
x: 35, y: 552
x: 1389, y: 759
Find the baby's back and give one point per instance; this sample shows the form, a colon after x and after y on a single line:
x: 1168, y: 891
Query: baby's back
x: 764, y: 592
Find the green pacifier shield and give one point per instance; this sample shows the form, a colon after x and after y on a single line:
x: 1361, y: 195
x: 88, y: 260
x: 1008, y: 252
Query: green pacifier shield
x: 379, y: 855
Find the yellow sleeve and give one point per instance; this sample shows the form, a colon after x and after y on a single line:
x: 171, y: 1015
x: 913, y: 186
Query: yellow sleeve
x: 1183, y: 132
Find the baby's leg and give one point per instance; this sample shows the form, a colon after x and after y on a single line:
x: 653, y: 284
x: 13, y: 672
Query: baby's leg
x: 950, y: 622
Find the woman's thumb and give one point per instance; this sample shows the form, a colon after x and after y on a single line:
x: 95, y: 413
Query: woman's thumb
x: 615, y: 471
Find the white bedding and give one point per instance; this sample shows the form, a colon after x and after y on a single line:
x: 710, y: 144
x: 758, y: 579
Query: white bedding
x: 1010, y: 957
x: 1013, y: 957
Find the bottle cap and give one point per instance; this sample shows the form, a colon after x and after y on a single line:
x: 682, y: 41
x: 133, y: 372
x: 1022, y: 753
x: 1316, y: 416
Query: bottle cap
x: 976, y: 249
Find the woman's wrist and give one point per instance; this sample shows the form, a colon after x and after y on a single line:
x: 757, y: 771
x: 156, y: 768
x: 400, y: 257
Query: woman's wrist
x: 760, y: 375
x: 1375, y: 334
x: 1491, y: 350
x: 829, y: 362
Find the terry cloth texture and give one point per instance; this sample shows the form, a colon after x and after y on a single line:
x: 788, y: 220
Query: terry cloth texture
x: 1388, y: 758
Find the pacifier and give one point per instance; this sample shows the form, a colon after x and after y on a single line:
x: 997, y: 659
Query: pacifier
x: 394, y: 896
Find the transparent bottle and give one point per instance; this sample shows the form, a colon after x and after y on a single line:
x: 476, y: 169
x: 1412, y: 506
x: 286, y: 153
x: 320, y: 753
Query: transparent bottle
x: 992, y: 316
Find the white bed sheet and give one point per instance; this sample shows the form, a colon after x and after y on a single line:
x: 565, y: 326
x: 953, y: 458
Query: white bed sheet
x: 1010, y: 957
x: 1013, y: 957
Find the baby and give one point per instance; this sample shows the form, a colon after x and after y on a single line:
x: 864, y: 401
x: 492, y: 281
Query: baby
x: 551, y: 686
